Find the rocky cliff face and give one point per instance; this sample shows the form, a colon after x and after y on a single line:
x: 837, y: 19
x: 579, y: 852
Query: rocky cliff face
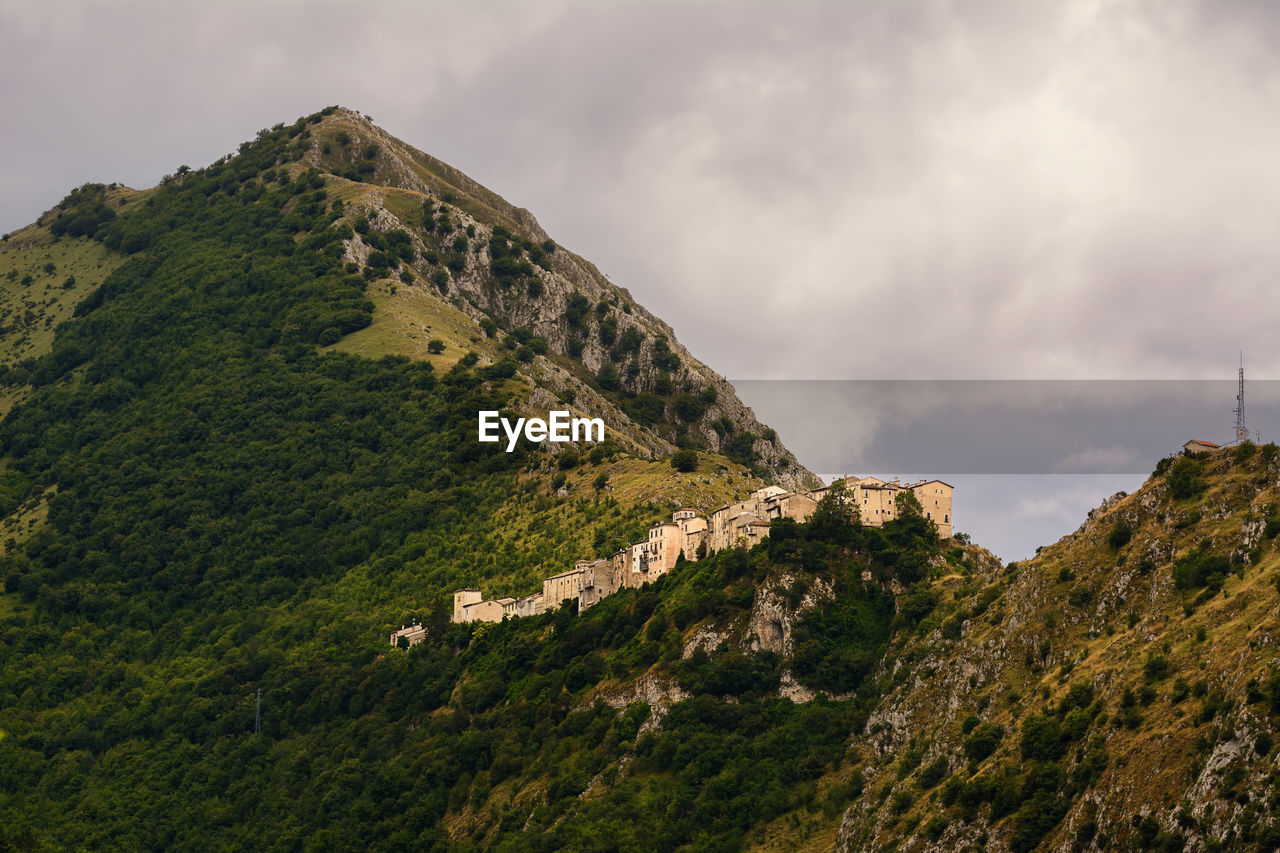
x: 494, y: 262
x: 1120, y: 691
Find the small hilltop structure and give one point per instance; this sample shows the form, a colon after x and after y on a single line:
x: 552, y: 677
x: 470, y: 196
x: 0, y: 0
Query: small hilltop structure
x: 1197, y: 445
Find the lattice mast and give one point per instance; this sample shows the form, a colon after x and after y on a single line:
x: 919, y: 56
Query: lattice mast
x: 1242, y: 431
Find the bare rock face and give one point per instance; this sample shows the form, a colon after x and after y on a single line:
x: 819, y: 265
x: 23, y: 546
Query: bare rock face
x: 456, y: 226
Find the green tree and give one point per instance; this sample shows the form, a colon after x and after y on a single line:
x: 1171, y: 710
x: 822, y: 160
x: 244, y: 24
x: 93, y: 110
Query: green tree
x: 685, y: 461
x: 608, y: 377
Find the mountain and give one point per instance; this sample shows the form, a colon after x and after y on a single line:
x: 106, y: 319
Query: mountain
x: 493, y: 263
x: 239, y: 450
x: 240, y: 447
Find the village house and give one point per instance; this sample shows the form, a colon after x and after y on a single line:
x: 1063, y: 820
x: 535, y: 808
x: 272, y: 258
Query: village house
x: 461, y: 599
x: 413, y: 635
x: 558, y: 588
x: 599, y: 581
x: 693, y: 532
x: 736, y: 524
x: 877, y: 500
x: 662, y: 548
x: 482, y: 611
x: 528, y: 605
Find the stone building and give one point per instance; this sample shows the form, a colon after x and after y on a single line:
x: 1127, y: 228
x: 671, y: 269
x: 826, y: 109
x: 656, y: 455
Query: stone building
x: 461, y: 599
x: 528, y: 605
x: 729, y: 524
x: 877, y: 500
x: 693, y: 532
x: 793, y: 505
x: 482, y: 611
x: 413, y: 634
x: 935, y: 500
x: 662, y: 548
x: 599, y: 581
x: 566, y: 585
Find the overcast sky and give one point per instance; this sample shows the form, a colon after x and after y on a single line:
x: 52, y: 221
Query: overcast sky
x: 804, y: 189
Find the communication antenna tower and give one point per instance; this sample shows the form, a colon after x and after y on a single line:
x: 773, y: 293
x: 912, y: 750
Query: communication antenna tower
x: 1242, y: 431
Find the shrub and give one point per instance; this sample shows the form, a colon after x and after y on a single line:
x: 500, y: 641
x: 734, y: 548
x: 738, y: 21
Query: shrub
x: 1185, y: 480
x: 1080, y: 597
x: 936, y: 826
x: 1120, y: 534
x: 689, y: 407
x: 567, y: 459
x: 576, y: 310
x: 1079, y: 695
x: 329, y: 336
x: 504, y: 369
x: 685, y: 461
x: 983, y: 741
x: 1201, y: 569
x: 663, y: 357
x: 1041, y: 738
x: 435, y: 345
x: 608, y: 377
x: 933, y: 774
x: 917, y: 604
x: 1156, y: 667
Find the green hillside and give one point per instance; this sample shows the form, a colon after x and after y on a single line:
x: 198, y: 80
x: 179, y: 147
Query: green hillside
x: 205, y: 496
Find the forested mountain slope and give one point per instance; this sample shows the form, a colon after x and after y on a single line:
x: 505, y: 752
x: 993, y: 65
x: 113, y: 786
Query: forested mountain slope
x: 206, y: 492
x: 251, y: 452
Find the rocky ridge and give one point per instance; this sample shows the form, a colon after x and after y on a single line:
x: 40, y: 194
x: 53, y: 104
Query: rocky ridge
x: 587, y: 322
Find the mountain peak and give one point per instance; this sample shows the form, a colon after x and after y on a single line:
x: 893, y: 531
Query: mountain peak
x: 473, y: 251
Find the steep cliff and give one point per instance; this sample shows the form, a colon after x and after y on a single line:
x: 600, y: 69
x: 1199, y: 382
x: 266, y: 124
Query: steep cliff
x: 473, y: 252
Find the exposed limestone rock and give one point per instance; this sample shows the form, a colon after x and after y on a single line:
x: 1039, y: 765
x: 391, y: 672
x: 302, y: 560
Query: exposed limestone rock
x: 476, y: 211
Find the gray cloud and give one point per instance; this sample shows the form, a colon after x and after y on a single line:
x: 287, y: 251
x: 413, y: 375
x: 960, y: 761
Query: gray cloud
x: 804, y: 190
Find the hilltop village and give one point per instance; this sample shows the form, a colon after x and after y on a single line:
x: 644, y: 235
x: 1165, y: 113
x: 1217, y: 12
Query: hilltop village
x: 692, y: 535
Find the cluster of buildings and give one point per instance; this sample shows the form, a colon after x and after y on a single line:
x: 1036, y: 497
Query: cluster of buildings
x: 693, y: 535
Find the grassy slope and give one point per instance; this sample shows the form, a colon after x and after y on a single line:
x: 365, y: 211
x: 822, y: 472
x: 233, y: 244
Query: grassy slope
x: 30, y: 313
x: 1021, y: 655
x: 406, y: 318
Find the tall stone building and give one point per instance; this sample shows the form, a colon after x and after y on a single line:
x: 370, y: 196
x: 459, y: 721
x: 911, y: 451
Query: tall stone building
x: 877, y: 500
